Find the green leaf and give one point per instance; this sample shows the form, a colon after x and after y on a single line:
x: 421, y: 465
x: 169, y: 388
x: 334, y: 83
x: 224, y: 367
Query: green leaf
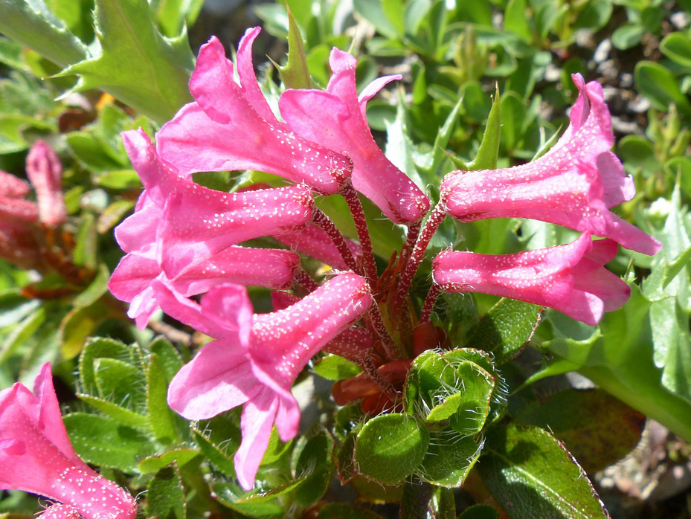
x: 165, y: 424
x: 31, y: 23
x: 627, y: 36
x: 677, y: 47
x: 399, y: 147
x: 103, y: 441
x: 516, y: 19
x: 295, y: 73
x: 218, y: 439
x: 374, y: 13
x: 530, y: 474
x: 170, y: 358
x: 121, y: 414
x: 345, y: 511
x: 660, y: 87
x: 113, y: 215
x: 21, y: 333
x: 514, y: 115
x: 173, y: 15
x: 79, y: 324
x: 333, y: 367
x: 95, y: 348
x: 316, y: 467
x: 136, y: 63
x: 479, y: 512
x: 97, y: 287
x: 180, y: 456
x: 449, y: 458
x: 476, y: 104
x: 597, y: 428
x: 261, y: 504
x: 505, y: 329
x: 594, y: 15
x: 120, y: 382
x: 441, y: 141
x: 86, y: 248
x: 345, y: 461
x: 11, y: 54
x: 486, y: 157
x: 390, y: 447
x: 165, y: 497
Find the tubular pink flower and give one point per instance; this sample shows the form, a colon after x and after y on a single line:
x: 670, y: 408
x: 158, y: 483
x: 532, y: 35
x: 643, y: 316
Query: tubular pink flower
x: 60, y: 511
x: 44, y: 170
x: 569, y: 278
x: 269, y: 268
x: 36, y: 456
x: 574, y: 184
x: 11, y: 186
x: 255, y: 359
x: 313, y: 241
x: 231, y: 127
x: 354, y: 344
x: 197, y: 222
x: 337, y: 119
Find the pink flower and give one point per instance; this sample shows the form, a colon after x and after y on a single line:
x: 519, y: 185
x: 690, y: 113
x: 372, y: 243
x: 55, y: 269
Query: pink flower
x: 131, y: 280
x: 337, y: 119
x: 44, y: 170
x: 574, y: 184
x: 36, y: 456
x: 12, y: 206
x: 569, y: 278
x: 192, y: 222
x: 255, y: 359
x: 231, y: 127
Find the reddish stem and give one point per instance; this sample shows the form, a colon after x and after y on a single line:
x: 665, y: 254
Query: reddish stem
x: 413, y: 233
x: 435, y: 219
x: 303, y: 279
x: 378, y: 324
x: 430, y: 300
x: 324, y: 222
x: 351, y: 198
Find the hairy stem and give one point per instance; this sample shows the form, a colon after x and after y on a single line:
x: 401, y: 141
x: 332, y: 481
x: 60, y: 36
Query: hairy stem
x: 432, y: 295
x: 378, y: 324
x: 324, y: 222
x: 433, y: 222
x: 413, y: 233
x: 351, y: 198
x: 303, y: 279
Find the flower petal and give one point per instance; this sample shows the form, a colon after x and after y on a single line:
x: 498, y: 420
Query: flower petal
x: 257, y: 421
x: 219, y: 378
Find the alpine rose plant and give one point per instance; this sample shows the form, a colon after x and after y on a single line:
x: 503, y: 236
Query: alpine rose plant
x: 188, y: 252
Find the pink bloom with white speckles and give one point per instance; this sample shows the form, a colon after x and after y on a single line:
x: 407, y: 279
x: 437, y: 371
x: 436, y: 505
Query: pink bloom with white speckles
x: 569, y: 278
x: 196, y: 222
x: 231, y: 126
x: 36, y: 456
x: 337, y: 119
x: 44, y: 170
x: 269, y: 268
x: 574, y: 184
x: 256, y: 358
x: 60, y: 511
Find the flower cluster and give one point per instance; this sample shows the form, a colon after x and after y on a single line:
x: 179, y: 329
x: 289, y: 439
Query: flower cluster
x: 20, y: 218
x: 186, y: 240
x: 36, y: 456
